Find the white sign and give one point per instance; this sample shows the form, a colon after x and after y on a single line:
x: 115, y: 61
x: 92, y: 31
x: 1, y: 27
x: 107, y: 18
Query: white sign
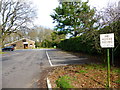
x: 30, y: 45
x: 25, y: 42
x: 107, y: 40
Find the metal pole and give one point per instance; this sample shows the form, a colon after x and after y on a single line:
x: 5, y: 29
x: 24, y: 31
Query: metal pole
x: 112, y: 57
x: 108, y: 62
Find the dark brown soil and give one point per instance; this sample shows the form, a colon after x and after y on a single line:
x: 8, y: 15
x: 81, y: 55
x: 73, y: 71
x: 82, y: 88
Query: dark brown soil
x: 95, y: 76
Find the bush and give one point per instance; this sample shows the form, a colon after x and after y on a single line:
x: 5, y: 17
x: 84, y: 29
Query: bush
x: 64, y: 82
x: 77, y: 44
x: 48, y: 44
x: 80, y: 44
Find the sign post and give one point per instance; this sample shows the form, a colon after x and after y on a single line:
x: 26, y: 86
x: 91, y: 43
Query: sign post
x: 108, y: 62
x: 107, y: 41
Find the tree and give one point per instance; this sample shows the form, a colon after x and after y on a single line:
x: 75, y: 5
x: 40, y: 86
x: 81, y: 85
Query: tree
x: 73, y: 17
x: 15, y: 15
x: 45, y: 34
x: 40, y: 33
x: 56, y: 38
x: 111, y: 21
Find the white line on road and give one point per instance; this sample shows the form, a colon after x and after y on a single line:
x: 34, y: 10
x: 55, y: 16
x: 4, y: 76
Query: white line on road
x: 49, y: 58
x: 61, y: 65
x: 79, y: 59
x: 51, y: 62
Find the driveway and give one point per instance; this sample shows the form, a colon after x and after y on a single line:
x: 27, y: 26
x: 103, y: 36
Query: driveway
x: 21, y: 68
x: 58, y: 58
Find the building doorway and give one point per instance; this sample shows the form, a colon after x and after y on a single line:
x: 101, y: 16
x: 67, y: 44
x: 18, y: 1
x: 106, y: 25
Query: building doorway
x: 25, y: 46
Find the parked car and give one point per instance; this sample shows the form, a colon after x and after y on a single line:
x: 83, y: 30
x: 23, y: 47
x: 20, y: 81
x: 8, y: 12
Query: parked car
x: 8, y: 48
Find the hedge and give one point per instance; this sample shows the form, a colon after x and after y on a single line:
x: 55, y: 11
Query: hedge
x: 76, y: 44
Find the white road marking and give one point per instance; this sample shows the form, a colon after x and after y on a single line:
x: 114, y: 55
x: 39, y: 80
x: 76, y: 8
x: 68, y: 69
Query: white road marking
x: 49, y: 58
x: 70, y: 59
x: 61, y: 65
x: 51, y: 62
x: 49, y: 84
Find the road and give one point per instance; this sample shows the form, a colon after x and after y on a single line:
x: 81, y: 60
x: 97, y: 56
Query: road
x: 22, y: 68
x: 58, y: 58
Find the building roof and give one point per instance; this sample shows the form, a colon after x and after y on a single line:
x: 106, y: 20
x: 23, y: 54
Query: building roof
x: 19, y: 40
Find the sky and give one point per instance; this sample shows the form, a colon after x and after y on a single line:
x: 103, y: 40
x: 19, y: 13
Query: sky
x: 45, y: 9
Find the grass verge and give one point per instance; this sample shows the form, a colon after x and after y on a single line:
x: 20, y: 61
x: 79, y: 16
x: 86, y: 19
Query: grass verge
x: 64, y: 82
x: 84, y: 76
x: 2, y: 52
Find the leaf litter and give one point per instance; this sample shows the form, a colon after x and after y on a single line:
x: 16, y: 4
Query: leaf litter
x: 85, y: 76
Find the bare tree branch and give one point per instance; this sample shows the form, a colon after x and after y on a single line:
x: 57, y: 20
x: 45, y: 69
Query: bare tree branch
x: 15, y: 14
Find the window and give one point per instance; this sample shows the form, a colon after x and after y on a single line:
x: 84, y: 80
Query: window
x: 14, y: 45
x: 24, y: 40
x: 30, y: 44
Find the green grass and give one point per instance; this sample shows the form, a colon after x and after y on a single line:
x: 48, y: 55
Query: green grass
x: 116, y: 71
x: 89, y: 67
x: 2, y: 52
x: 96, y: 66
x: 64, y: 82
x: 117, y: 81
x: 43, y: 48
x: 82, y: 71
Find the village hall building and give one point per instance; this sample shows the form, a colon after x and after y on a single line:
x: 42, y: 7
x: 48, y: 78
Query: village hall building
x: 23, y: 43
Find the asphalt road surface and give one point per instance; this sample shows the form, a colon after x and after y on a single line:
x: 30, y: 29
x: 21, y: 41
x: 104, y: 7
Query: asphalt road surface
x: 22, y: 68
x: 58, y: 58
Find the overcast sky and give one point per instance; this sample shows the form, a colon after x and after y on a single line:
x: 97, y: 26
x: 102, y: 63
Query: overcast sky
x: 45, y: 8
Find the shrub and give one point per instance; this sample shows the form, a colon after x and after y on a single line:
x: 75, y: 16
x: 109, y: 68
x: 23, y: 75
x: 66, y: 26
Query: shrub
x: 64, y: 82
x: 77, y: 44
